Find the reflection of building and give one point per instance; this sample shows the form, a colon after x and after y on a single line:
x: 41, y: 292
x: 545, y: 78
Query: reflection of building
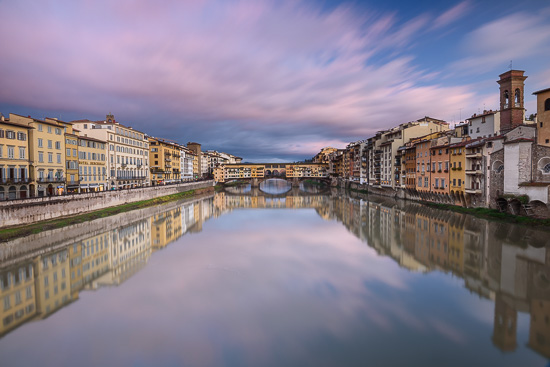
x: 53, y: 285
x: 17, y: 290
x: 165, y: 228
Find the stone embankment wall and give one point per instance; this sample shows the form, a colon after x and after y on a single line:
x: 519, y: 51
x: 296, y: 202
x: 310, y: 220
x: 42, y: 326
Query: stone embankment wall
x: 29, y: 247
x: 28, y: 211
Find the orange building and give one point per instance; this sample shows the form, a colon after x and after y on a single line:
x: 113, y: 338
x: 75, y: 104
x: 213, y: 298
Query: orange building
x: 440, y: 169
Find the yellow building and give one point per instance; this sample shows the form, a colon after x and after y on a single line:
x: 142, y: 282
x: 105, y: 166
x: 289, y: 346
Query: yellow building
x: 53, y: 284
x: 166, y: 227
x: 307, y: 170
x: 246, y: 170
x: 164, y: 158
x: 457, y: 174
x: 92, y: 164
x: 17, y: 291
x: 14, y: 160
x: 72, y: 178
x: 46, y: 154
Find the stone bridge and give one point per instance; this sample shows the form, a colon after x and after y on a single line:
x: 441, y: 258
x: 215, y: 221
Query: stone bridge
x: 295, y: 181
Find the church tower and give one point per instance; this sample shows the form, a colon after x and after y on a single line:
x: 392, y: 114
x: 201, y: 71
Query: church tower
x: 512, y: 112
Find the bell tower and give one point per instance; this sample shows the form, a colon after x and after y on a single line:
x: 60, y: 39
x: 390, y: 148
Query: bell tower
x: 512, y: 112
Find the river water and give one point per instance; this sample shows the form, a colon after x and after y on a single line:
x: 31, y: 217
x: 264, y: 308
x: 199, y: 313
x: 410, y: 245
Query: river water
x: 278, y: 276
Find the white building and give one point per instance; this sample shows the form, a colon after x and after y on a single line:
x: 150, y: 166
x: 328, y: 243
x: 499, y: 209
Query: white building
x: 128, y: 151
x: 484, y: 125
x: 186, y: 163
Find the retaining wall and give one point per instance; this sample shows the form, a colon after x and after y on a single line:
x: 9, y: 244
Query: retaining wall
x: 27, y: 211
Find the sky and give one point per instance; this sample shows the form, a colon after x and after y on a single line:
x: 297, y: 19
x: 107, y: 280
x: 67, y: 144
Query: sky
x: 267, y: 80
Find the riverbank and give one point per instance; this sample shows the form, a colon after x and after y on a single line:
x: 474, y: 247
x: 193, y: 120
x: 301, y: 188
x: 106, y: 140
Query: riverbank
x: 10, y: 233
x: 487, y: 213
x: 33, y: 210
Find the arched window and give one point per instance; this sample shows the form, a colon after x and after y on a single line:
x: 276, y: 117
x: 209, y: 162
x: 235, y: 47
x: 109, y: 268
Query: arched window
x: 546, y: 168
x: 517, y: 98
x: 506, y: 99
x: 547, y: 105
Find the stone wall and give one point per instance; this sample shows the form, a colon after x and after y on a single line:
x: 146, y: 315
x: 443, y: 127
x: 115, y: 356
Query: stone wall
x: 33, y: 210
x: 497, y: 178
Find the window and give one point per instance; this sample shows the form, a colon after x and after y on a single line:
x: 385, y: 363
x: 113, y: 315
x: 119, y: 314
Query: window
x: 426, y: 182
x: 40, y: 143
x: 437, y: 182
x: 39, y: 127
x: 11, y: 152
x: 50, y: 157
x: 40, y: 157
x: 68, y: 152
x: 21, y: 136
x: 442, y: 183
x: 547, y: 105
x: 57, y: 131
x: 10, y: 134
x: 57, y: 145
x: 459, y: 182
x: 74, y: 153
x: 49, y: 129
x: 50, y: 144
x: 21, y: 153
x: 58, y: 158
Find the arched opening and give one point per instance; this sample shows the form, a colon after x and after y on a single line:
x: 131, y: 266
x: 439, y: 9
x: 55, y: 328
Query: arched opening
x: 32, y: 190
x: 498, y: 166
x: 502, y: 205
x: 506, y: 98
x: 515, y: 206
x: 275, y: 186
x: 547, y: 105
x: 517, y: 98
x: 2, y: 193
x: 50, y: 190
x: 12, y: 193
x: 23, y: 192
x: 539, y: 209
x: 268, y: 172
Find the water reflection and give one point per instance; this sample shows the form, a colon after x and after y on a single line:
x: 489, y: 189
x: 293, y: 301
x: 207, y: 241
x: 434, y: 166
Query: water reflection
x: 275, y: 186
x: 503, y: 263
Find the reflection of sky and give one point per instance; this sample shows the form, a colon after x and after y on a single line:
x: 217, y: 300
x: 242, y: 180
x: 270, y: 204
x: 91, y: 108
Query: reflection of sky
x: 269, y: 288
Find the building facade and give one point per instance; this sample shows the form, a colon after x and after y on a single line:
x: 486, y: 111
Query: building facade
x: 14, y: 160
x: 128, y: 151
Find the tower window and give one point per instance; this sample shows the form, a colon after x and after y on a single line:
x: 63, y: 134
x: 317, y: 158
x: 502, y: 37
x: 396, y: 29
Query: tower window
x: 506, y: 99
x: 547, y: 105
x: 517, y: 98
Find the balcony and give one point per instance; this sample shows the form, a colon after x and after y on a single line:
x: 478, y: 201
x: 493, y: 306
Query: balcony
x: 16, y: 181
x: 473, y: 191
x: 473, y: 172
x: 73, y: 182
x: 121, y: 178
x: 50, y: 179
x: 473, y: 155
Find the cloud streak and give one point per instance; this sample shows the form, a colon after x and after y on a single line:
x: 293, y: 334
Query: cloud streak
x: 200, y: 70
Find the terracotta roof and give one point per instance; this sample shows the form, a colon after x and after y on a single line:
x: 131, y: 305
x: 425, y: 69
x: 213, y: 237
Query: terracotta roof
x: 520, y: 140
x: 541, y: 91
x: 8, y: 122
x: 90, y: 138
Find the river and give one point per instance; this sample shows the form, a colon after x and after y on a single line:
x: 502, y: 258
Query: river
x: 278, y: 276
